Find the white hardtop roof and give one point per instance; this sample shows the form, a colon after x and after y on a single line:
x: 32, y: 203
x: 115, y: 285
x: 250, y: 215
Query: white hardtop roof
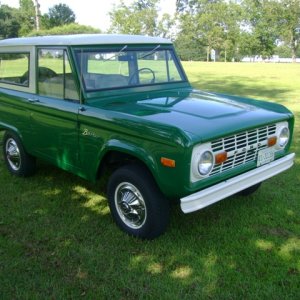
x: 84, y: 39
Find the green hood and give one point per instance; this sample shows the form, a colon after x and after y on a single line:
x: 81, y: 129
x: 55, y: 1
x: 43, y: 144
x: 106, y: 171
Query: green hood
x: 200, y: 116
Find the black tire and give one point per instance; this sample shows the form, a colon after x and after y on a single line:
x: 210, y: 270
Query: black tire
x: 17, y: 160
x: 136, y: 204
x: 250, y: 190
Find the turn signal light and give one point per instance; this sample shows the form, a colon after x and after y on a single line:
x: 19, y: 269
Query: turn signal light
x: 167, y: 162
x: 220, y: 157
x: 272, y: 141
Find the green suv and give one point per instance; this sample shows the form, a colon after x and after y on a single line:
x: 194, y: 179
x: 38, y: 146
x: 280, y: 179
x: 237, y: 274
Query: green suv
x: 92, y: 103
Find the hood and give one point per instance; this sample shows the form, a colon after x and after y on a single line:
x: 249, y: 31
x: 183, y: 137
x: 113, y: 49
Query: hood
x: 202, y: 116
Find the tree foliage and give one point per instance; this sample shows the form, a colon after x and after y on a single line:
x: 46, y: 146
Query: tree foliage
x: 289, y: 24
x: 140, y: 17
x: 239, y: 28
x: 27, y: 16
x: 261, y: 20
x: 211, y: 24
x: 137, y: 18
x: 72, y: 28
x: 9, y: 22
x: 58, y: 15
x: 233, y: 28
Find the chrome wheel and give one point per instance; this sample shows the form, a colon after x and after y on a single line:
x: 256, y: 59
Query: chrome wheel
x: 13, y: 154
x: 130, y: 205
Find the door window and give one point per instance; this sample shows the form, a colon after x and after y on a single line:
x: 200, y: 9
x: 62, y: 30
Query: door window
x: 54, y: 75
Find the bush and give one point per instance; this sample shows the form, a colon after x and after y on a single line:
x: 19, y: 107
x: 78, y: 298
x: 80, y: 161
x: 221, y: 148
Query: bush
x: 66, y: 29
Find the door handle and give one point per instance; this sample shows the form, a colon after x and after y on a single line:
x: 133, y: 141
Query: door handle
x: 33, y: 100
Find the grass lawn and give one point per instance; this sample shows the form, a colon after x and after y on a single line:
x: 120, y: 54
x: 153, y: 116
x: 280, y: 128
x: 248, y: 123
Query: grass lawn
x: 58, y: 241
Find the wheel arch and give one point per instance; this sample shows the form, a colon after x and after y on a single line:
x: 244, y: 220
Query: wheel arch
x: 13, y: 130
x: 119, y: 153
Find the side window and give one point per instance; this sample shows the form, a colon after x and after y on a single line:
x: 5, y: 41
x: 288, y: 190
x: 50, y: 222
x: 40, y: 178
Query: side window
x: 54, y: 75
x: 14, y: 68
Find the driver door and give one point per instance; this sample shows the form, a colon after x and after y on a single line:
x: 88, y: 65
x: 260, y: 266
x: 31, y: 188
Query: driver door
x: 54, y: 110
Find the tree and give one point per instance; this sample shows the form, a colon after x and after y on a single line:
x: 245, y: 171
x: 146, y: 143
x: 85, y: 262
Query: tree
x: 165, y: 27
x: 140, y: 17
x: 289, y: 24
x: 9, y: 22
x: 58, y: 15
x: 213, y: 24
x: 260, y: 23
x: 37, y: 15
x: 27, y: 16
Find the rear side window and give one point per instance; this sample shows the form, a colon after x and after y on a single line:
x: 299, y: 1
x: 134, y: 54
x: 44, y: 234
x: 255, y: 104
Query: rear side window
x: 14, y: 68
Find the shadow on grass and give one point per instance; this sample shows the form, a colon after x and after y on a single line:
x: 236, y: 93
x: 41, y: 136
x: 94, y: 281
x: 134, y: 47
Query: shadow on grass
x: 231, y: 85
x: 58, y: 241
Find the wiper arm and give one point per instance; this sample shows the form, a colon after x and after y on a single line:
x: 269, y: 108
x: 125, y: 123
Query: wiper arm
x: 117, y: 54
x: 149, y: 53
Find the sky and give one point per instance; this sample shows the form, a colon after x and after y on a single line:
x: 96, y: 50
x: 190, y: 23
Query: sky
x: 91, y: 12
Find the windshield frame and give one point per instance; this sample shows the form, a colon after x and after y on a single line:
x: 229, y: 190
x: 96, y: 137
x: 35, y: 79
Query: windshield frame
x: 148, y: 49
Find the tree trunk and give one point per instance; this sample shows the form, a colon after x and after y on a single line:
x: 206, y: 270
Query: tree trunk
x: 294, y: 49
x: 293, y: 55
x: 207, y: 54
x: 37, y: 15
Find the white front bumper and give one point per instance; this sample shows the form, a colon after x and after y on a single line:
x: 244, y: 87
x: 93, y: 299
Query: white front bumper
x: 234, y: 185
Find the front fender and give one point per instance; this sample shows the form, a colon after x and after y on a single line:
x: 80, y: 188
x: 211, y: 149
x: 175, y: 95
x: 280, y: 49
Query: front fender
x: 171, y: 181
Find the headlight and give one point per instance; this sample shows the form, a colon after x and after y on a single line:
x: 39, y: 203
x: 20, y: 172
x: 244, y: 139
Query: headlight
x: 206, y: 163
x: 202, y: 162
x: 284, y: 136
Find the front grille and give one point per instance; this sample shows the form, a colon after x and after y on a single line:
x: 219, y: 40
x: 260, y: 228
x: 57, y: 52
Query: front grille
x: 241, y: 148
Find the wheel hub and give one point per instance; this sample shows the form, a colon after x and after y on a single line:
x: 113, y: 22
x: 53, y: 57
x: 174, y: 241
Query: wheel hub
x: 130, y: 205
x: 13, y: 154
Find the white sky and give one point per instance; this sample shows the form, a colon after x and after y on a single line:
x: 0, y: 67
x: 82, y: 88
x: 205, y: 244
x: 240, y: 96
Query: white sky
x: 91, y: 12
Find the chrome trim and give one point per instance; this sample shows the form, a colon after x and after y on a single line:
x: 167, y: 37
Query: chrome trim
x: 130, y: 205
x: 13, y: 154
x: 242, y: 147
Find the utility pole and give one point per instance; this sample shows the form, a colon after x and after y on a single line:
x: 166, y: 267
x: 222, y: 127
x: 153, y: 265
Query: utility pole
x: 37, y: 15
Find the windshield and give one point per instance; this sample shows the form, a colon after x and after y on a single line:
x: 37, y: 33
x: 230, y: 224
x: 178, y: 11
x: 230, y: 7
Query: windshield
x: 102, y: 69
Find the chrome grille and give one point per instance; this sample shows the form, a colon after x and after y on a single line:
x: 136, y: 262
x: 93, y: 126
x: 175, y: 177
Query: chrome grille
x: 242, y: 147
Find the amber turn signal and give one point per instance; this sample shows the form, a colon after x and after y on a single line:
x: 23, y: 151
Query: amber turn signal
x: 272, y: 141
x: 167, y: 162
x: 220, y: 157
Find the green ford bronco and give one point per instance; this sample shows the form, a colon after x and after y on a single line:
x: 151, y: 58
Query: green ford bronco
x: 92, y: 103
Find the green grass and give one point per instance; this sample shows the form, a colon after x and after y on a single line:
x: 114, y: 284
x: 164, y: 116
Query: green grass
x: 58, y: 241
x: 13, y: 68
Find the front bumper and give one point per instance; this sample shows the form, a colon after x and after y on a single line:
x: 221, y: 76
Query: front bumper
x: 234, y: 185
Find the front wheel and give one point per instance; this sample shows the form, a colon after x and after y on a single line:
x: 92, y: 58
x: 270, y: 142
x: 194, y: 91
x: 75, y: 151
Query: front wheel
x: 136, y: 204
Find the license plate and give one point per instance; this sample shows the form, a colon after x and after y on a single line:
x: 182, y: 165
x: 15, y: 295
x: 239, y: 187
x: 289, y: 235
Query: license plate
x: 265, y: 156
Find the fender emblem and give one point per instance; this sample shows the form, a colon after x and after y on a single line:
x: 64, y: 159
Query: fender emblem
x: 86, y: 132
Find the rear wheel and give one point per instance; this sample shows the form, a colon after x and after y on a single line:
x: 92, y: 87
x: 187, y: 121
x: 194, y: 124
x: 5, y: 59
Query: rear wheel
x: 136, y: 204
x: 17, y: 160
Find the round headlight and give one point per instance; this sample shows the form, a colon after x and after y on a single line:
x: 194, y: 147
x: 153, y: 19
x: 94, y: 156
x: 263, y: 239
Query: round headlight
x: 206, y: 163
x: 284, y: 136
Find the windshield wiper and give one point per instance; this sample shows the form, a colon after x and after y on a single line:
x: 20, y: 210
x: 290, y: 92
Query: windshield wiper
x: 149, y: 53
x: 117, y: 54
